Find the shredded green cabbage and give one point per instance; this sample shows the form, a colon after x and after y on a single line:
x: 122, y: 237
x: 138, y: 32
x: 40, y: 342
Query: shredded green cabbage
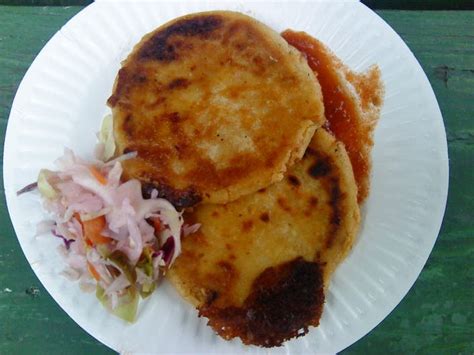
x: 146, y: 265
x: 46, y: 190
x: 128, y: 303
x: 106, y: 137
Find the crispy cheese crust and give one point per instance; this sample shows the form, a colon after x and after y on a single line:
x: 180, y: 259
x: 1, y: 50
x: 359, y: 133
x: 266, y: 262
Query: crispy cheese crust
x: 258, y: 266
x: 216, y: 105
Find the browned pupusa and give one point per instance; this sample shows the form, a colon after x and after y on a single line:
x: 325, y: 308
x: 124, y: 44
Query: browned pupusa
x: 258, y: 266
x: 216, y: 105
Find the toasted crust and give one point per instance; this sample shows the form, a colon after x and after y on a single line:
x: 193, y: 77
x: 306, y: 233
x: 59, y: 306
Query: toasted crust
x: 217, y: 106
x: 311, y: 215
x: 284, y: 301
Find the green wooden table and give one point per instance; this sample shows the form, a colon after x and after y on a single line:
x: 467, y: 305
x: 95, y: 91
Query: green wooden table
x: 437, y: 315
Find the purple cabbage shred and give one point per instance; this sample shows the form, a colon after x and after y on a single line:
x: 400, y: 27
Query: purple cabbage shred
x: 27, y: 188
x: 67, y: 242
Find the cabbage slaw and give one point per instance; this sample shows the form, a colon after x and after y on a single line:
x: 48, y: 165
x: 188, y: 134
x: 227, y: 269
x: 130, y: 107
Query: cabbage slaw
x: 114, y: 240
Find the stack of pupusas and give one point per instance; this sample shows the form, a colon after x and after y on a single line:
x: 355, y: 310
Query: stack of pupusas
x: 228, y: 121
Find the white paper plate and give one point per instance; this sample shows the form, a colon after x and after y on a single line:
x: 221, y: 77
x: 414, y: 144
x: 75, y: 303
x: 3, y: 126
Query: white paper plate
x: 61, y: 102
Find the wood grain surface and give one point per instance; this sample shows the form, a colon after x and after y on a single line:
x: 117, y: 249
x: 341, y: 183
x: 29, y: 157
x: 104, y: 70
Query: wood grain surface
x: 437, y: 315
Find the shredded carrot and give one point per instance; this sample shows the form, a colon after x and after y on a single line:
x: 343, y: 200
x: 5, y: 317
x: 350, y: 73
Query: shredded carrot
x: 98, y: 175
x: 156, y: 224
x: 93, y: 230
x: 93, y: 271
x: 78, y: 217
x: 99, y: 239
